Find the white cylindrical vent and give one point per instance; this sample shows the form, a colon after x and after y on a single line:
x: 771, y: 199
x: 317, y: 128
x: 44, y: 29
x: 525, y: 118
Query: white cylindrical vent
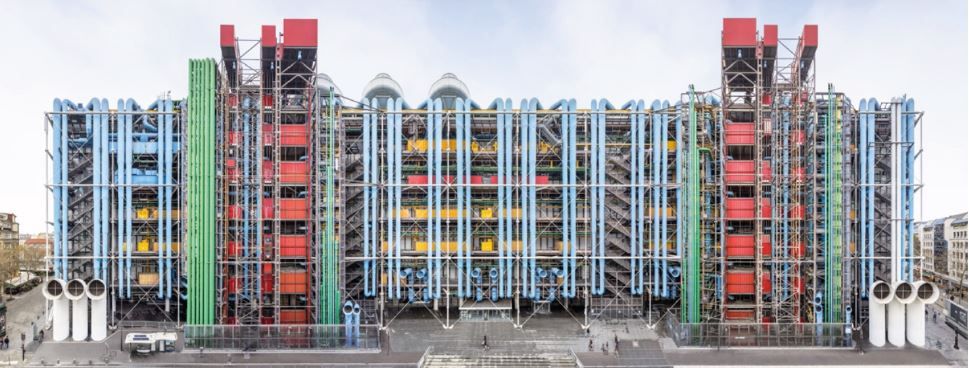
x: 77, y: 293
x: 879, y: 297
x: 60, y: 309
x: 904, y: 294
x: 97, y: 293
x: 925, y: 293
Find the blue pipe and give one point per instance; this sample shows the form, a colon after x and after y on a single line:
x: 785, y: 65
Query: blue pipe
x: 603, y: 106
x: 509, y: 227
x: 635, y: 238
x: 466, y: 217
x: 523, y: 196
x: 348, y: 322
x: 392, y: 194
x: 169, y: 155
x: 641, y: 122
x: 680, y: 206
x: 95, y: 105
x: 910, y: 185
x: 129, y: 163
x: 492, y: 275
x: 479, y: 294
x: 863, y: 203
x: 57, y: 147
x: 105, y: 195
x: 573, y: 195
x: 161, y: 201
x: 664, y: 180
x: 872, y: 107
x: 459, y: 106
x: 593, y: 179
x: 119, y: 151
x: 398, y: 170
x: 532, y: 190
x: 494, y: 294
x: 655, y: 168
x: 438, y: 130
x: 367, y: 246
x: 564, y: 151
x: 500, y: 149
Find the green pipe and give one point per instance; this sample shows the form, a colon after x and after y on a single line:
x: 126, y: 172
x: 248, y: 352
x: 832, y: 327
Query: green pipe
x: 200, y: 236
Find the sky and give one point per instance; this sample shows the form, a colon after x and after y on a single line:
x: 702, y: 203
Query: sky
x: 619, y: 50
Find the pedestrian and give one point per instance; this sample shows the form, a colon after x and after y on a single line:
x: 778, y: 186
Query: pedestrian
x: 590, y: 344
x: 6, y: 343
x: 935, y: 317
x: 484, y: 343
x: 616, y: 339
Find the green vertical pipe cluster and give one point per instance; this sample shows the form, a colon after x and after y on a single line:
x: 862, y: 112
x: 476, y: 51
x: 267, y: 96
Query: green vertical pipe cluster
x: 833, y: 205
x: 200, y: 233
x: 690, y: 311
x: 329, y: 303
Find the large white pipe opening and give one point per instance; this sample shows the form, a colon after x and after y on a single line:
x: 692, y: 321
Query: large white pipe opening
x: 904, y: 295
x: 879, y: 296
x: 97, y: 293
x: 60, y: 320
x: 77, y: 293
x: 925, y: 293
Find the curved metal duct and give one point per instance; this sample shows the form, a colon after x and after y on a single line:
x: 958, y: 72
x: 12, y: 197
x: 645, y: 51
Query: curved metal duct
x: 382, y: 87
x: 97, y: 292
x: 324, y: 83
x: 904, y: 293
x: 880, y: 295
x: 925, y: 293
x: 60, y: 319
x: 77, y: 292
x: 449, y: 88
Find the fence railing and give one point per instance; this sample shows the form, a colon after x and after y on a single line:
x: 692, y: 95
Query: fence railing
x: 280, y: 337
x: 760, y: 335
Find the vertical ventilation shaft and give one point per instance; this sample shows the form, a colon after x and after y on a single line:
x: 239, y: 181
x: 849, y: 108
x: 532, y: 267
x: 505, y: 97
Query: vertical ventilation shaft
x: 925, y: 293
x: 97, y: 293
x: 904, y: 295
x: 77, y: 293
x: 60, y: 320
x: 881, y: 295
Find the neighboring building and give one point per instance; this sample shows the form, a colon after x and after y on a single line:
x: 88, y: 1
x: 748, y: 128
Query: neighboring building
x: 926, y: 248
x: 957, y: 248
x: 9, y: 230
x: 944, y: 252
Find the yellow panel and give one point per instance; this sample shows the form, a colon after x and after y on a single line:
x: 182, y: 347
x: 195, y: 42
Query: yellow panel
x: 670, y: 145
x: 421, y: 246
x: 419, y: 145
x: 148, y: 278
x: 487, y: 213
x: 383, y: 278
x: 475, y: 147
x: 516, y: 245
x: 142, y: 213
x: 420, y: 213
x: 142, y: 245
x: 384, y: 246
x: 405, y: 213
x: 487, y: 245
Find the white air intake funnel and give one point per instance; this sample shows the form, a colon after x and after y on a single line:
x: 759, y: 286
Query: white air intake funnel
x: 879, y: 296
x: 449, y: 88
x: 904, y: 294
x: 97, y: 292
x: 77, y: 293
x: 925, y: 293
x: 60, y: 309
x: 382, y: 87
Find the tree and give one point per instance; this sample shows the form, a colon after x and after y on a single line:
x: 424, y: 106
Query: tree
x: 9, y: 265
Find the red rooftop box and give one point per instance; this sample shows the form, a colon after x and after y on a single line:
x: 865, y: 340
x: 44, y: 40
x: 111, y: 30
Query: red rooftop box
x: 739, y: 32
x: 227, y: 35
x: 770, y: 35
x: 268, y: 36
x: 299, y: 32
x: 809, y: 37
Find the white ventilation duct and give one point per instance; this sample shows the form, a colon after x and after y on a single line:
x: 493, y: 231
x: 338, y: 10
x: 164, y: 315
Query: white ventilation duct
x: 449, y: 88
x: 77, y: 293
x: 60, y: 309
x: 324, y: 83
x: 97, y: 293
x: 879, y: 296
x: 382, y: 87
x: 925, y: 293
x: 904, y: 294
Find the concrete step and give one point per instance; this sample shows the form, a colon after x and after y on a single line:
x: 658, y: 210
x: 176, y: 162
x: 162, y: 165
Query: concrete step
x: 543, y: 360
